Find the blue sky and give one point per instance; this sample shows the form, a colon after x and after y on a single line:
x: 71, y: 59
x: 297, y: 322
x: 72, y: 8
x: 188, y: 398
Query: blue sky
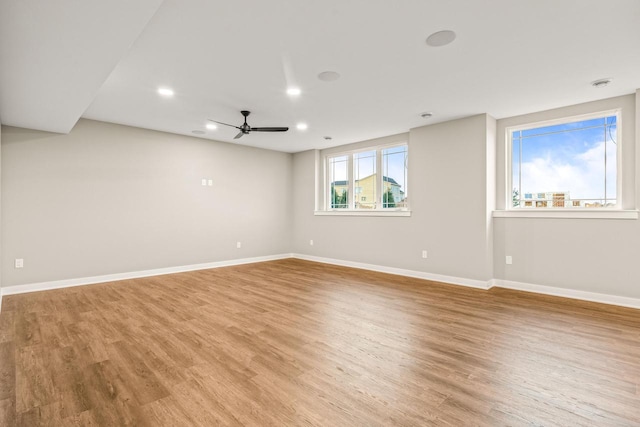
x: 568, y: 157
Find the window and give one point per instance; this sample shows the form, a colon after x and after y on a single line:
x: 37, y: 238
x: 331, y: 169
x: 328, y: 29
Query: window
x: 573, y: 163
x: 377, y: 177
x: 394, y: 177
x: 364, y: 174
x: 339, y: 185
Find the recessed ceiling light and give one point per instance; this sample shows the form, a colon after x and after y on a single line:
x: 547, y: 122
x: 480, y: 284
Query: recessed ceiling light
x: 426, y: 115
x: 301, y: 126
x: 198, y: 132
x: 601, y: 83
x: 293, y: 91
x: 441, y: 38
x: 328, y: 76
x: 165, y: 91
x: 211, y: 126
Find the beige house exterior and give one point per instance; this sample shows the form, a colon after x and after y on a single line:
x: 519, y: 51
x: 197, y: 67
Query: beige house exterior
x: 365, y: 196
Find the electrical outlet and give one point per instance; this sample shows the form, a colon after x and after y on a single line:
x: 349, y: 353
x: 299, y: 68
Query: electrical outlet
x: 19, y: 263
x: 424, y: 254
x: 210, y: 183
x: 509, y: 260
x: 238, y: 245
x: 310, y: 242
x: 204, y: 181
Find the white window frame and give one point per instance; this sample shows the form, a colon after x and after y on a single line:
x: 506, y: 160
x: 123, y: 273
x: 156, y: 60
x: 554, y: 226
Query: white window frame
x: 351, y: 210
x: 613, y: 212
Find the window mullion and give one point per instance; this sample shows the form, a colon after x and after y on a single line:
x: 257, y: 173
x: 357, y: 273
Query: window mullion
x: 619, y: 148
x: 379, y: 179
x: 350, y: 180
x: 519, y: 169
x: 605, y: 161
x: 329, y: 177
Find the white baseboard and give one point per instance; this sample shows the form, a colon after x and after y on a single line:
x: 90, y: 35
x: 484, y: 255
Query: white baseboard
x: 499, y: 283
x: 569, y: 293
x: 45, y: 286
x: 472, y: 283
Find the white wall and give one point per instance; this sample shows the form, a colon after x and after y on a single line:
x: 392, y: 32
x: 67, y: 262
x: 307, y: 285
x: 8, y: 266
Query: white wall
x: 448, y: 184
x: 108, y: 199
x: 1, y: 213
x: 592, y: 255
x: 456, y: 178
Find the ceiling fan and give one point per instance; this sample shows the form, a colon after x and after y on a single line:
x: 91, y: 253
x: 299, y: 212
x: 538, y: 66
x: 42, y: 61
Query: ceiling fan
x: 246, y: 129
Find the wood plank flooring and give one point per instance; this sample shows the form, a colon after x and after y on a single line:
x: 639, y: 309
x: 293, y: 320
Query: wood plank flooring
x: 296, y: 343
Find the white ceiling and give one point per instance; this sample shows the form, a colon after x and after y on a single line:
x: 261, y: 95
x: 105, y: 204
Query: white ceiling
x: 62, y: 59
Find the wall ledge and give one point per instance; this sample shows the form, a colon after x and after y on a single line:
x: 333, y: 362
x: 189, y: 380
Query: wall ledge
x: 568, y: 213
x: 362, y: 212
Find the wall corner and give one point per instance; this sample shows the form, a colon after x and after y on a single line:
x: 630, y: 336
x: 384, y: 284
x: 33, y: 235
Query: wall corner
x: 490, y: 189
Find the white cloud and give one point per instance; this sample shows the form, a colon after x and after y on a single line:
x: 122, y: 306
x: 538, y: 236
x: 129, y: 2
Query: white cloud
x: 582, y: 176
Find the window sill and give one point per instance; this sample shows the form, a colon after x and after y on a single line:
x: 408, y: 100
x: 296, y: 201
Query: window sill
x: 568, y: 213
x: 361, y: 213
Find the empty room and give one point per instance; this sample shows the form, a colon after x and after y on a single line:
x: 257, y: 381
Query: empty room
x: 329, y: 213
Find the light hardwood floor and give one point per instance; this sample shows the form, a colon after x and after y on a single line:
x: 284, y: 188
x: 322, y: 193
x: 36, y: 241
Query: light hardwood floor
x: 298, y: 343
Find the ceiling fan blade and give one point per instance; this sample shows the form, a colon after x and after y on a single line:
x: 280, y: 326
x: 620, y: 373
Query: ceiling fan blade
x: 226, y: 124
x: 271, y: 129
x: 238, y: 136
